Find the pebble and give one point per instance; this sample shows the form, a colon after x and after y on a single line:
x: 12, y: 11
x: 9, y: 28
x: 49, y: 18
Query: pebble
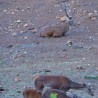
x: 92, y: 16
x: 64, y: 50
x: 18, y: 21
x: 80, y: 68
x: 10, y: 46
x: 18, y: 91
x: 1, y: 89
x: 12, y: 13
x: 69, y: 43
x: 25, y: 37
x: 34, y: 30
x: 23, y: 10
x: 25, y: 25
x: 17, y: 80
x: 77, y: 47
x: 11, y: 94
x: 78, y: 23
x: 4, y: 10
x: 46, y: 70
x: 28, y: 8
x: 14, y: 33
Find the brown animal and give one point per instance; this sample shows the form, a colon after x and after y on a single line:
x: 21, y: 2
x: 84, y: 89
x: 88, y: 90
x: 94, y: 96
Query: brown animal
x: 32, y: 93
x: 55, y: 30
x: 46, y: 93
x: 58, y: 82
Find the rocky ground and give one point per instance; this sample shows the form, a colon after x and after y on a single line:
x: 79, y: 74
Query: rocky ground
x: 23, y: 53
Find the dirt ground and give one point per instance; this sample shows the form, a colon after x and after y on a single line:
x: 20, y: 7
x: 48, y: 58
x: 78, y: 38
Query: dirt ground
x: 23, y: 53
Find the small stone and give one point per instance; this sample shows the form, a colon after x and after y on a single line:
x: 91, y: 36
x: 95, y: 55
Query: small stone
x: 21, y: 31
x: 60, y: 10
x: 83, y: 58
x: 11, y: 24
x: 17, y: 74
x: 64, y: 50
x: 34, y: 30
x: 78, y: 23
x: 10, y: 46
x: 77, y: 47
x: 25, y: 25
x: 23, y: 10
x: 25, y: 37
x: 80, y: 68
x: 49, y: 11
x: 18, y: 91
x: 4, y: 10
x: 1, y: 89
x: 17, y: 80
x: 46, y: 70
x: 90, y: 49
x: 25, y: 52
x: 69, y: 43
x: 11, y: 94
x: 28, y: 8
x: 12, y: 13
x: 18, y: 21
x: 17, y: 9
x: 92, y: 16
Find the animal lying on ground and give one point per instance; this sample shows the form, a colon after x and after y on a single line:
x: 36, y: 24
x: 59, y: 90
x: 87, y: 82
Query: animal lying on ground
x: 54, y: 93
x: 46, y: 93
x: 59, y: 82
x: 55, y: 30
x: 32, y: 93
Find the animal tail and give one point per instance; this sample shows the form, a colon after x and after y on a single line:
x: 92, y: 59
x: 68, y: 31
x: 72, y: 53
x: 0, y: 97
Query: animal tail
x: 77, y: 86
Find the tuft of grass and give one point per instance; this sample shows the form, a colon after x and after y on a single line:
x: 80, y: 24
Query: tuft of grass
x: 91, y: 77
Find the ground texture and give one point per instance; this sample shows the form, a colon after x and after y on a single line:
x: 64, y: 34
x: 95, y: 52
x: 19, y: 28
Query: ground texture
x: 23, y: 53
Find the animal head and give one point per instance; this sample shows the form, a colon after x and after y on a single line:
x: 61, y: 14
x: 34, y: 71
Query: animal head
x: 31, y: 93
